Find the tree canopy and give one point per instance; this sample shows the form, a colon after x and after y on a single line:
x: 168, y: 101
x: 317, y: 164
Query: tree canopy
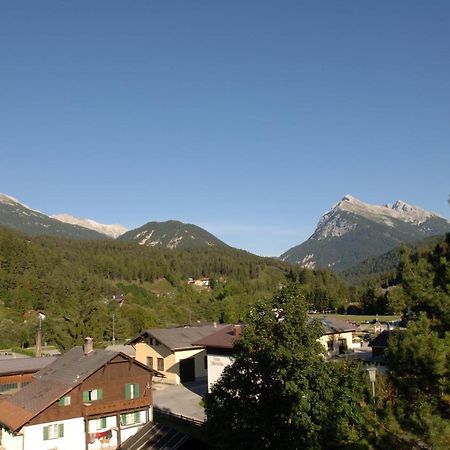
x: 280, y: 392
x: 418, y: 358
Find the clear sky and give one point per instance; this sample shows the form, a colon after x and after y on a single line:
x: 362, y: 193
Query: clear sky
x: 250, y: 118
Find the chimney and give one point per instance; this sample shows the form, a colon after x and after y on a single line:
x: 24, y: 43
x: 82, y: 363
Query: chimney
x: 87, y: 347
x: 237, y: 331
x: 215, y: 324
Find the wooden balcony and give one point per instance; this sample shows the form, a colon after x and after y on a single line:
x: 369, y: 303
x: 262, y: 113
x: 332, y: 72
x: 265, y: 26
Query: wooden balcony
x: 101, y: 407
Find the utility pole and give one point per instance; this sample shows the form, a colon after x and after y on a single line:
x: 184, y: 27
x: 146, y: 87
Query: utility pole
x: 372, y: 376
x: 113, y: 330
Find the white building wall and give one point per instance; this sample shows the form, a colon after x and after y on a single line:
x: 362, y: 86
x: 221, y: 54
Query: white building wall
x: 216, y: 364
x: 129, y: 430
x: 73, y: 438
x: 97, y: 442
x: 11, y: 441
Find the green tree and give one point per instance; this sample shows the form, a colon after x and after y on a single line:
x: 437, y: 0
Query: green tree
x: 425, y: 280
x: 419, y: 357
x: 280, y: 392
x: 83, y: 317
x: 419, y: 369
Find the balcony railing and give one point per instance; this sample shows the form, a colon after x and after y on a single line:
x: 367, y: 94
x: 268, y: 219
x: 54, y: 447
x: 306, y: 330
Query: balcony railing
x: 101, y: 407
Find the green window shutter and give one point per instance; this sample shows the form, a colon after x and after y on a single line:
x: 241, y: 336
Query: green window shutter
x: 45, y: 433
x: 136, y: 390
x: 85, y: 396
x: 137, y: 417
x: 103, y: 422
x: 99, y: 394
x: 61, y: 430
x: 127, y: 392
x: 123, y: 419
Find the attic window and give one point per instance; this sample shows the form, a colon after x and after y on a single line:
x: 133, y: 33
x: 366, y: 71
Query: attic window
x: 154, y: 341
x: 131, y: 391
x: 64, y: 401
x: 90, y: 396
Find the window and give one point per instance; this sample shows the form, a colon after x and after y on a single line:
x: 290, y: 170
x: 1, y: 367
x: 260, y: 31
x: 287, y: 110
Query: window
x: 342, y: 346
x: 205, y: 362
x: 65, y: 401
x: 130, y: 418
x: 131, y: 391
x: 91, y: 396
x: 150, y: 362
x: 53, y: 431
x: 154, y: 341
x: 330, y: 345
x: 8, y: 387
x: 101, y: 423
x: 160, y: 364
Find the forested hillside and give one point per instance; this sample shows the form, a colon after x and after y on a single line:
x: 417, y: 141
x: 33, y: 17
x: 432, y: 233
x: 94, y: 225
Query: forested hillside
x: 73, y: 283
x: 384, y: 266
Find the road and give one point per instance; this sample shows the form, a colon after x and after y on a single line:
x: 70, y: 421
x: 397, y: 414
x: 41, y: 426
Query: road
x: 181, y: 399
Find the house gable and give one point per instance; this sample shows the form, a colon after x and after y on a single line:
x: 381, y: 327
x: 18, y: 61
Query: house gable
x: 77, y: 380
x: 108, y: 389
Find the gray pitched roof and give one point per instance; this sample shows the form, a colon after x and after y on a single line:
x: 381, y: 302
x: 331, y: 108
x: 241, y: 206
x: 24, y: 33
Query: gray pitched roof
x: 127, y: 349
x: 177, y: 338
x: 334, y: 325
x: 24, y: 365
x: 75, y: 366
x: 58, y: 378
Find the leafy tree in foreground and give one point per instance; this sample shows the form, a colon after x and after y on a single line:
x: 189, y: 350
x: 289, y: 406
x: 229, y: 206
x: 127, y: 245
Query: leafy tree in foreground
x: 280, y: 392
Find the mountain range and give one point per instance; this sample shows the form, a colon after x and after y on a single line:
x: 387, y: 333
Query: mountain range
x: 169, y: 234
x: 353, y: 231
x: 18, y: 216
x: 349, y: 233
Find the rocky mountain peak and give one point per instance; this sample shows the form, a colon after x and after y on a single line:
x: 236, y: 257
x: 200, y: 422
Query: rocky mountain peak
x: 113, y: 230
x: 353, y: 230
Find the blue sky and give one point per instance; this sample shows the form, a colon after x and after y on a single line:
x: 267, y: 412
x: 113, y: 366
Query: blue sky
x: 249, y: 118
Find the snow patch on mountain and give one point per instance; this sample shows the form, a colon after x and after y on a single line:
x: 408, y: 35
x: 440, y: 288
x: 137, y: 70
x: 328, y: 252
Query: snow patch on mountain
x: 113, y: 230
x: 146, y: 238
x: 173, y: 243
x: 308, y: 261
